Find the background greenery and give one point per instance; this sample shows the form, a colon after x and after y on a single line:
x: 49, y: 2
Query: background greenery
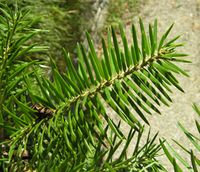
x: 122, y: 11
x: 64, y: 22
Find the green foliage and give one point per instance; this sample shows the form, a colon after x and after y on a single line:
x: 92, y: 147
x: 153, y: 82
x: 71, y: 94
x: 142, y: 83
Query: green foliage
x: 121, y: 10
x: 65, y: 123
x: 15, y: 34
x: 194, y: 163
x: 56, y: 19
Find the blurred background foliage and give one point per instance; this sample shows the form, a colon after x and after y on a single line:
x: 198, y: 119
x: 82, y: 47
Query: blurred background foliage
x: 65, y: 21
x: 122, y: 11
